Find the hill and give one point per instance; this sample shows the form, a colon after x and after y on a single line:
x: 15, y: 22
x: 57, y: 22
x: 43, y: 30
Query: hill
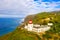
x: 39, y: 18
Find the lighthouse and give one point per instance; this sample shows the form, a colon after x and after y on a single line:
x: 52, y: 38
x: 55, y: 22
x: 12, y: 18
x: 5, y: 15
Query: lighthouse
x: 30, y: 25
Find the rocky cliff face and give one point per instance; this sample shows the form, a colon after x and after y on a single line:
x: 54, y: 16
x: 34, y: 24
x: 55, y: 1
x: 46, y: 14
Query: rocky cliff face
x: 29, y: 17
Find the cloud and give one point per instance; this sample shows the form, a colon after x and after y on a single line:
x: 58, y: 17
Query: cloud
x: 58, y: 6
x: 26, y: 7
x: 11, y: 16
x: 48, y: 6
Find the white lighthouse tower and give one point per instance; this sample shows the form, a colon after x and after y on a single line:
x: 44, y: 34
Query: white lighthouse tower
x: 30, y: 25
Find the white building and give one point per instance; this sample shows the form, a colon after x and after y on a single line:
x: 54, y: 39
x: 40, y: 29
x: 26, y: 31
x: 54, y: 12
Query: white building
x: 29, y: 27
x: 50, y: 24
x: 36, y: 27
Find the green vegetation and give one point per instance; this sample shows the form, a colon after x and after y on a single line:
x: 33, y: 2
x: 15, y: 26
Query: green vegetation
x: 48, y: 17
x: 40, y: 18
x: 20, y: 34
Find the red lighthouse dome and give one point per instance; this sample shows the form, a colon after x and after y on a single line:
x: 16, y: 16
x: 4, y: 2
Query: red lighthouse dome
x: 30, y: 21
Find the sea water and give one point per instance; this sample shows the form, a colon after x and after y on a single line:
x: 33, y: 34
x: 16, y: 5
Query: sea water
x: 9, y: 24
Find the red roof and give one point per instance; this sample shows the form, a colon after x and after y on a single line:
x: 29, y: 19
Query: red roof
x: 30, y: 21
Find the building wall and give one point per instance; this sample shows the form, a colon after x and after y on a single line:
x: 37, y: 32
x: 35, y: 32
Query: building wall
x: 30, y: 27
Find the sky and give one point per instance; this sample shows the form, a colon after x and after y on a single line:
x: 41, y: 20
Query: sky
x: 21, y: 8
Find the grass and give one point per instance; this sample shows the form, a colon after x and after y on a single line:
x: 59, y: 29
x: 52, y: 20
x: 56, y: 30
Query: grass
x: 19, y: 34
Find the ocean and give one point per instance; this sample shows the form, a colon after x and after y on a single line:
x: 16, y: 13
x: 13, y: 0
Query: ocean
x: 9, y: 24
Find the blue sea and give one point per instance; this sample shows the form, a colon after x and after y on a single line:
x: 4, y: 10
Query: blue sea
x: 9, y: 24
